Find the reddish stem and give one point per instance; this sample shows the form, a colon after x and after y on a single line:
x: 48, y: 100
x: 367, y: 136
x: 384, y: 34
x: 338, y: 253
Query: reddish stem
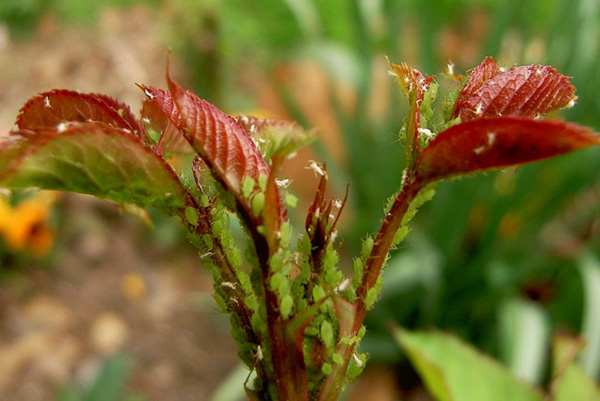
x: 332, y: 386
x: 383, y: 242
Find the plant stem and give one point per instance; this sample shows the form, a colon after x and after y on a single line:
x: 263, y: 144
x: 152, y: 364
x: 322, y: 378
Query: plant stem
x: 383, y: 242
x: 332, y: 386
x: 287, y: 362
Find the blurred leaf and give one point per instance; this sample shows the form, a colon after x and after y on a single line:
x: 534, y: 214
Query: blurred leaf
x: 454, y: 371
x: 90, y: 158
x: 524, y: 336
x: 231, y: 389
x: 497, y: 142
x: 564, y: 351
x: 68, y: 393
x: 341, y: 63
x: 109, y: 384
x: 589, y: 267
x: 575, y: 385
x: 22, y: 14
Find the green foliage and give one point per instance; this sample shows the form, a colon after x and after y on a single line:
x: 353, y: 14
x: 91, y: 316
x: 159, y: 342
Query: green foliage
x: 108, y: 385
x: 22, y: 14
x: 453, y: 370
x: 124, y: 171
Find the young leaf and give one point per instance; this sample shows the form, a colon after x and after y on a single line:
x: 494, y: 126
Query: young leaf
x: 221, y: 142
x: 414, y: 85
x: 162, y: 119
x: 51, y: 109
x: 523, y: 91
x: 453, y: 370
x: 275, y: 137
x: 498, y: 142
x: 488, y: 69
x: 91, y: 158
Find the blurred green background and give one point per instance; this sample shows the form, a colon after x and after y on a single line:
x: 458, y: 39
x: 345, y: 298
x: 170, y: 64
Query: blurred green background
x: 503, y: 259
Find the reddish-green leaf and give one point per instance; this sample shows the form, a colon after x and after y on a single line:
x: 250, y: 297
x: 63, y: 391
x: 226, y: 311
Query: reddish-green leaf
x: 156, y: 116
x: 57, y: 108
x: 91, y: 158
x: 524, y: 91
x: 274, y: 136
x: 124, y: 111
x: 221, y: 141
x: 492, y: 143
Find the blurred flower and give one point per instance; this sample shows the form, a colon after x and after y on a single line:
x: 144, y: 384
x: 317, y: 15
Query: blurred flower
x: 25, y: 227
x: 133, y: 286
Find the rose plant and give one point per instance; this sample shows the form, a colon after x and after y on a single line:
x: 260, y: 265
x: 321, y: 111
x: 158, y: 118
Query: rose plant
x: 297, y: 318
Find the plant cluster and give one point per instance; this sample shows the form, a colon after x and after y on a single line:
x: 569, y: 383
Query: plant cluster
x: 296, y: 315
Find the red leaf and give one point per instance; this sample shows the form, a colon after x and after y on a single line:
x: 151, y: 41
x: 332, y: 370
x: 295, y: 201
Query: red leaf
x: 525, y: 91
x: 492, y: 143
x: 221, y: 142
x: 48, y: 110
x: 486, y: 70
x: 124, y: 111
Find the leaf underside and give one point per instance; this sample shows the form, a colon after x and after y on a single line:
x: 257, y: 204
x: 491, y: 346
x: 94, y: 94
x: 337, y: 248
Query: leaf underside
x: 91, y: 158
x: 498, y: 142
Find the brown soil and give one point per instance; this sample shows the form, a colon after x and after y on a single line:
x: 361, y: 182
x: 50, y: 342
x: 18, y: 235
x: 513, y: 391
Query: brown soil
x: 105, y: 291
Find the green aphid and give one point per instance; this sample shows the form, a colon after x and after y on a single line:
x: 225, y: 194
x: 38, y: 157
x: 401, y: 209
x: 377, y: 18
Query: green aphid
x: 327, y: 334
x: 318, y: 293
x: 191, y: 215
x: 367, y: 247
x: 276, y: 281
x: 291, y: 200
x: 327, y: 369
x: 258, y: 203
x: 337, y: 359
x: 248, y: 185
x: 287, y: 302
x: 358, y: 270
x: 371, y: 297
x: 262, y: 182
